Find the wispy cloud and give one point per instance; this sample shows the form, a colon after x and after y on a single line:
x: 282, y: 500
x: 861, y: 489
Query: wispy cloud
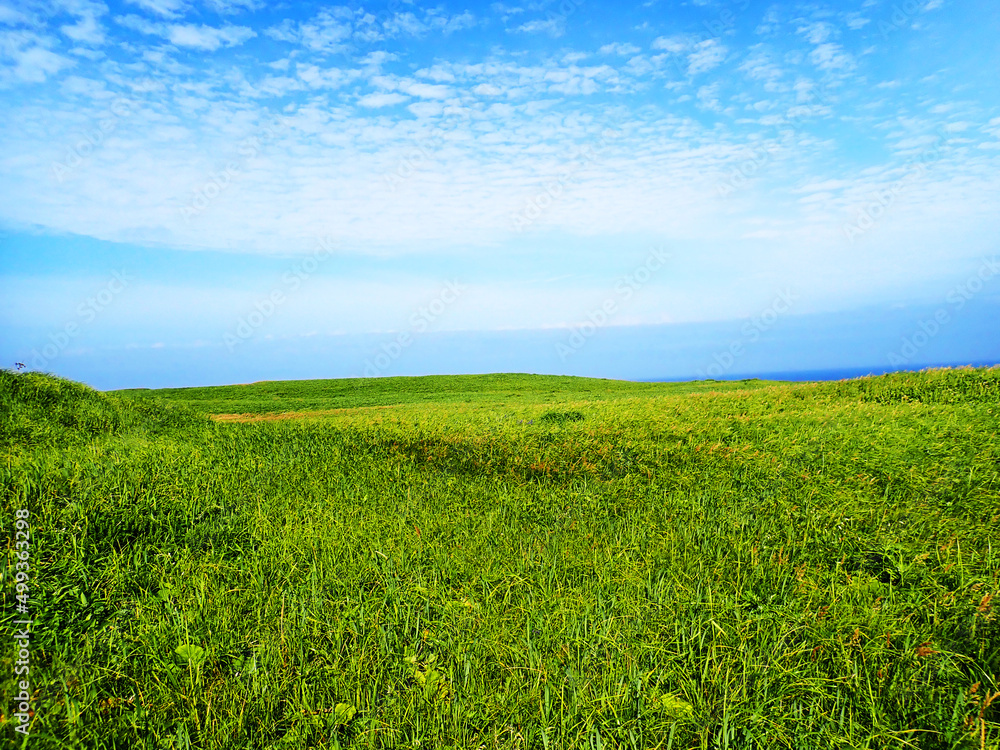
x: 381, y: 100
x: 29, y: 58
x: 165, y: 8
x: 625, y: 49
x: 554, y: 27
x: 194, y: 36
x: 706, y: 56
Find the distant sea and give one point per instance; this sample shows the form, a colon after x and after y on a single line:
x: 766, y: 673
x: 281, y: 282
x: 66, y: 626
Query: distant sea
x: 843, y: 373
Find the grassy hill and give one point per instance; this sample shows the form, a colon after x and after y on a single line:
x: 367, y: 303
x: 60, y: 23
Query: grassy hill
x: 493, y: 390
x: 510, y: 561
x: 38, y: 410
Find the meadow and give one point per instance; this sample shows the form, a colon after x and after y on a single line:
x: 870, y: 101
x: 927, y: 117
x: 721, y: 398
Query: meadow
x: 507, y: 561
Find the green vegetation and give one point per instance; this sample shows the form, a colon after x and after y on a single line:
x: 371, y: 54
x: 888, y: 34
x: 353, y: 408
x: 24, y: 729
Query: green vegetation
x: 42, y: 411
x: 270, y: 397
x: 509, y: 561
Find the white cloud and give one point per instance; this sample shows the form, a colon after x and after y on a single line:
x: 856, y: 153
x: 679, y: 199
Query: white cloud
x: 760, y: 67
x: 554, y: 27
x: 338, y: 29
x: 35, y: 64
x: 506, y: 11
x: 208, y: 37
x: 437, y: 73
x: 12, y: 17
x: 165, y: 8
x: 487, y: 89
x: 424, y: 90
x: 825, y: 185
x: 286, y: 31
x: 232, y: 7
x: 327, y: 32
x: 279, y: 85
x: 378, y: 58
x: 501, y: 111
x: 800, y: 111
x: 817, y: 33
x: 451, y: 24
x: 140, y: 24
x: 831, y: 56
x: 707, y: 55
x: 405, y: 24
x: 86, y: 30
x: 769, y: 24
x: 619, y: 48
x: 33, y: 61
x: 803, y: 90
x: 673, y: 44
x: 708, y: 97
x: 373, y: 101
x: 317, y: 77
x: 426, y: 109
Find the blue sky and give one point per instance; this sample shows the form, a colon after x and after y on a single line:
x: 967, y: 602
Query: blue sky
x: 235, y: 184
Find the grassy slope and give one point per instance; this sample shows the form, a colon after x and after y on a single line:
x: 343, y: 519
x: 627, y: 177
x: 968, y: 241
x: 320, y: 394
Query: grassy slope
x: 493, y: 390
x: 804, y: 565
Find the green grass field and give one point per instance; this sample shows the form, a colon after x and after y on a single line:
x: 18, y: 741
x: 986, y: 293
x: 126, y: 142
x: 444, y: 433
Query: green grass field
x: 507, y: 561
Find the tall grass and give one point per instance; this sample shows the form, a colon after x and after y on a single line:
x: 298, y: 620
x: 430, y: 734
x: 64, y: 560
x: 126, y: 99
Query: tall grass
x: 38, y: 410
x: 753, y: 565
